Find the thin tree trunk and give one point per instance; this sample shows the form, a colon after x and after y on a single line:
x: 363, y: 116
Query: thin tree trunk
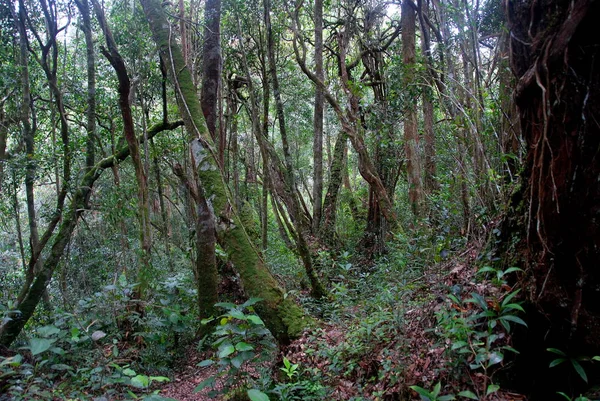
x: 327, y: 229
x: 282, y: 316
x: 430, y: 182
x: 411, y: 138
x: 318, y: 120
x: 211, y: 66
x: 116, y: 60
x: 90, y: 155
x: 290, y: 182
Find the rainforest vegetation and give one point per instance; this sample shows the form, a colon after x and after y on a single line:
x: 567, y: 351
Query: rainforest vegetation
x: 299, y: 200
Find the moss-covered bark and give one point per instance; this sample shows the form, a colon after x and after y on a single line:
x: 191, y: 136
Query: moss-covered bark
x: 282, y: 316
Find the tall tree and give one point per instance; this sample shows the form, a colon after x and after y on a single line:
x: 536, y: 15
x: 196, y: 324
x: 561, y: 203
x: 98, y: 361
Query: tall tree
x: 282, y: 316
x: 111, y: 52
x: 318, y: 120
x: 411, y: 135
x: 290, y: 181
x: 211, y: 71
x: 555, y: 49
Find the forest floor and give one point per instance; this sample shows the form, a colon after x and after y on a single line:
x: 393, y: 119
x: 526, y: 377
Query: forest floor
x: 393, y: 353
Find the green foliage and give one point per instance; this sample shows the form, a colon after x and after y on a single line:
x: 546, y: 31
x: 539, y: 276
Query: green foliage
x: 476, y: 330
x: 433, y: 395
x: 240, y: 338
x: 575, y: 362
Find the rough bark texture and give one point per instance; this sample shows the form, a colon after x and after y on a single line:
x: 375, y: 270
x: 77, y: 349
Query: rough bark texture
x: 411, y: 138
x: 282, y: 316
x: 318, y: 120
x: 211, y: 65
x: 555, y: 48
x: 327, y: 229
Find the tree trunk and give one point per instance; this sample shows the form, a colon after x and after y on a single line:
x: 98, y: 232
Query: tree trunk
x: 411, y: 136
x: 555, y: 49
x: 211, y: 67
x: 116, y: 60
x: 327, y: 229
x: 282, y: 316
x: 318, y: 120
x: 290, y: 182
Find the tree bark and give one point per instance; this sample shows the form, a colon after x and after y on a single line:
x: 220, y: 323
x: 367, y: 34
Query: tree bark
x: 318, y: 120
x: 411, y: 137
x: 211, y: 68
x: 282, y: 316
x: 554, y: 53
x: 327, y: 229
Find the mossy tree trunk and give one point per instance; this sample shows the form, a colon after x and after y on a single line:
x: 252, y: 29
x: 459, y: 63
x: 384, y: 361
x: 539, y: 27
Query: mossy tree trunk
x: 327, y: 229
x: 282, y: 316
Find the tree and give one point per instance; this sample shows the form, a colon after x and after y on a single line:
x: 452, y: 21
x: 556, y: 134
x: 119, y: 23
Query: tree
x: 555, y: 48
x: 411, y: 138
x: 282, y: 316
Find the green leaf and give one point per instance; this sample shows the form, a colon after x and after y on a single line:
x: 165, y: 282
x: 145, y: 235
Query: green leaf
x: 61, y: 366
x: 579, y: 369
x: 422, y: 392
x: 251, y: 301
x: 237, y: 361
x: 486, y: 269
x: 596, y: 358
x: 564, y: 395
x: 509, y: 297
x: 47, y: 331
x: 242, y: 346
x: 256, y: 320
x: 140, y: 381
x: 156, y: 397
x: 556, y: 351
x: 226, y: 305
x: 495, y: 358
x: 205, y: 363
x: 205, y: 383
x: 129, y: 372
x: 514, y: 319
x: 448, y: 397
x: 436, y: 389
x: 236, y: 314
x: 459, y: 344
x: 492, y: 388
x: 257, y: 395
x: 557, y: 362
x: 468, y: 394
x: 174, y: 318
x: 159, y: 379
x: 226, y: 350
x: 513, y: 307
x: 512, y: 269
x: 39, y: 345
